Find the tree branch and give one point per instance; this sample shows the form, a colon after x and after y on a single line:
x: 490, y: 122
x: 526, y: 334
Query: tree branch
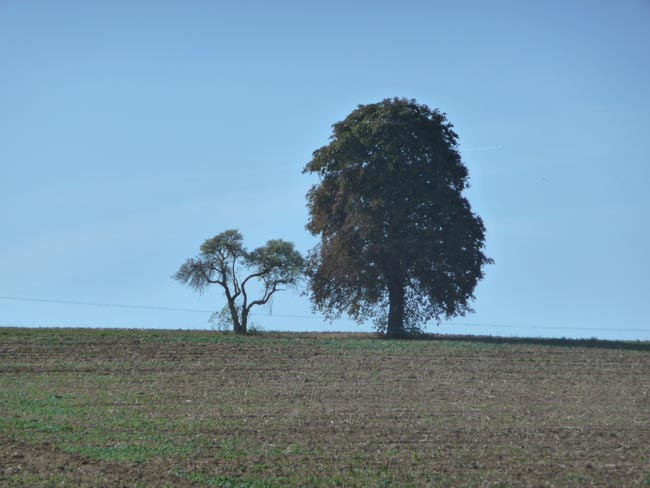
x: 261, y: 274
x: 214, y: 282
x: 234, y: 276
x: 267, y: 295
x: 243, y: 288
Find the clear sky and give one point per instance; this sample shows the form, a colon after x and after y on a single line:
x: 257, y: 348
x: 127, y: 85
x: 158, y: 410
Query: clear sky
x: 132, y: 131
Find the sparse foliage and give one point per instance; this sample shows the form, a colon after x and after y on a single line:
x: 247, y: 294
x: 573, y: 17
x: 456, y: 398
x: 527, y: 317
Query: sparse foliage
x: 276, y: 266
x: 399, y: 243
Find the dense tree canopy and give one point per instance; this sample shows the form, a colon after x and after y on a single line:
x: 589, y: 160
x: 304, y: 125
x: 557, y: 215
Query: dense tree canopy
x: 276, y: 265
x: 399, y: 243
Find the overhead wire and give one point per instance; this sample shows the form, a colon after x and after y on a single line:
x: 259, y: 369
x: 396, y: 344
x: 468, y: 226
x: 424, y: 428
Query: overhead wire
x: 313, y: 316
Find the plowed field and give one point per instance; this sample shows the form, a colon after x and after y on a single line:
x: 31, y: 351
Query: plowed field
x: 169, y: 408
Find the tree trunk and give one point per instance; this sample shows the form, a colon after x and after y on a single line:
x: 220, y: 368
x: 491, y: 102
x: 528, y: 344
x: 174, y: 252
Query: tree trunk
x: 396, y: 295
x: 236, y: 324
x: 244, y: 322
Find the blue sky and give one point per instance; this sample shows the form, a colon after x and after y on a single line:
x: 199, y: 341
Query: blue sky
x: 132, y: 131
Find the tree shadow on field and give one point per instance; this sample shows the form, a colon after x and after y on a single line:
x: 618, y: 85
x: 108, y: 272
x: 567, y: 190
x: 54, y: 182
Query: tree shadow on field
x: 563, y: 342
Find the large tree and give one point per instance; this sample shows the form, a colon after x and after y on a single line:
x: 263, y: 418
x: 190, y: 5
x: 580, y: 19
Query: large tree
x: 275, y: 266
x: 399, y: 243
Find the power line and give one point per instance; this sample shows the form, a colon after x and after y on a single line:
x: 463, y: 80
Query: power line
x: 546, y: 327
x: 98, y: 304
x: 297, y: 316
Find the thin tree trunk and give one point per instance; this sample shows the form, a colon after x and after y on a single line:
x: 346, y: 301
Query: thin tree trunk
x: 244, y: 322
x: 236, y: 325
x: 396, y: 294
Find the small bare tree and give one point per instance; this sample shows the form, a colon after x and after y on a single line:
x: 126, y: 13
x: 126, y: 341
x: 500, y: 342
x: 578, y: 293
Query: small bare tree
x: 276, y: 266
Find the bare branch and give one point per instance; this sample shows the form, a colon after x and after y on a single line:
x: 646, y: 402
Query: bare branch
x: 260, y: 274
x: 267, y: 295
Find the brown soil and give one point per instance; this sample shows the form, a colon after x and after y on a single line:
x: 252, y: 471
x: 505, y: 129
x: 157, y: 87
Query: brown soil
x: 306, y: 410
